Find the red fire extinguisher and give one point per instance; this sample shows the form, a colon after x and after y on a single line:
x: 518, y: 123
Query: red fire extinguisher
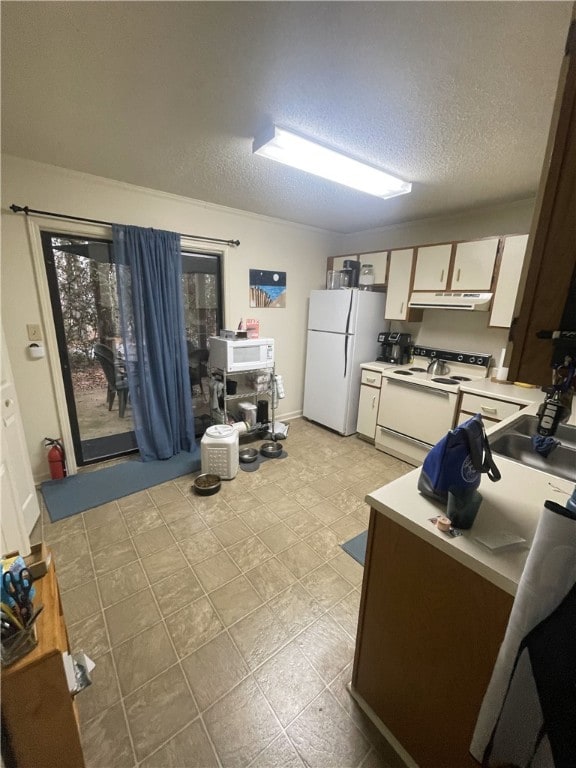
x: 56, y: 458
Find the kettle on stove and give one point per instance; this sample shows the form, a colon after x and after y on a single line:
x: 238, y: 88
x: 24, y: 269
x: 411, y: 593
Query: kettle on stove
x: 437, y: 367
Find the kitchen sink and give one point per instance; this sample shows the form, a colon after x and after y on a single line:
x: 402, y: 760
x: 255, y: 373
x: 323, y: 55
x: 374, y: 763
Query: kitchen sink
x: 528, y: 425
x: 515, y: 443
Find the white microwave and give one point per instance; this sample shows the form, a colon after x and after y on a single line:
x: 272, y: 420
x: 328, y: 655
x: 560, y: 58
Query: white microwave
x: 237, y: 355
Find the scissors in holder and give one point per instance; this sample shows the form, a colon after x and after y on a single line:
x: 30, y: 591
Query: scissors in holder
x: 18, y: 586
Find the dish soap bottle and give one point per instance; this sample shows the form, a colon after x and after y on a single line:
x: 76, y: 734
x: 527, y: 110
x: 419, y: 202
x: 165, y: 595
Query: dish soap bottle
x: 366, y: 279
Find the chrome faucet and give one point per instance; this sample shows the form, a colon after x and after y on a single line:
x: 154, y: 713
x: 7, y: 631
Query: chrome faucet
x: 437, y: 367
x: 557, y: 405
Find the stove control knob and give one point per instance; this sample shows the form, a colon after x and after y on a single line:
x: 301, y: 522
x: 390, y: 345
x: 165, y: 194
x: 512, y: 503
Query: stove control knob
x: 472, y: 359
x: 460, y: 358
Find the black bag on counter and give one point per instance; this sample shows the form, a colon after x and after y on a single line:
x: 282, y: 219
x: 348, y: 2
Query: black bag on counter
x: 457, y: 461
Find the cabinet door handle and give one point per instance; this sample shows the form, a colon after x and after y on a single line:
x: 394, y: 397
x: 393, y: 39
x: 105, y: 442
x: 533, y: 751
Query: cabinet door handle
x: 401, y: 307
x: 442, y: 277
x: 374, y: 402
x: 487, y: 409
x: 458, y: 276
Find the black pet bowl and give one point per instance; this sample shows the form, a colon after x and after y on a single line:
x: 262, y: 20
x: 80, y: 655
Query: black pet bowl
x: 206, y: 485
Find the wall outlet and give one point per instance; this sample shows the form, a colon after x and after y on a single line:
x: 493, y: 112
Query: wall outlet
x: 34, y: 332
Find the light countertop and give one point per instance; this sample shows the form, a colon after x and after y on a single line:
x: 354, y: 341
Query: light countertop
x: 377, y: 366
x: 510, y: 506
x: 510, y: 392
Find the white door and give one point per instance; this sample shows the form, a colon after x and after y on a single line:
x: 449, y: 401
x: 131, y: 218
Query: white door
x: 474, y: 265
x: 432, y: 263
x: 333, y: 311
x: 326, y: 389
x: 20, y: 509
x: 399, y: 274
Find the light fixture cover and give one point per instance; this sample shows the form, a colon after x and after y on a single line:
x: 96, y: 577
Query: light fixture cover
x: 291, y: 149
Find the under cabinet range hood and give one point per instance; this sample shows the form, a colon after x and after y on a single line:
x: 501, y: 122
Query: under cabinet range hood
x: 450, y: 300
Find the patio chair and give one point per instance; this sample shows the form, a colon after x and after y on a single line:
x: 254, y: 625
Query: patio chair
x: 115, y: 377
x: 197, y: 365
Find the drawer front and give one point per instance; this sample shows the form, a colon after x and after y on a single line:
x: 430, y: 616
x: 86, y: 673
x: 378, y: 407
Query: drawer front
x: 488, y: 406
x: 372, y: 378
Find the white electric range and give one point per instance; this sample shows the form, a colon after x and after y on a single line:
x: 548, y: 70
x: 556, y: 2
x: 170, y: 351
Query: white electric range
x: 417, y: 407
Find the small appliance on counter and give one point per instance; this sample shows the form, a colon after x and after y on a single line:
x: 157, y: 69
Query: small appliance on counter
x: 354, y: 270
x: 396, y: 347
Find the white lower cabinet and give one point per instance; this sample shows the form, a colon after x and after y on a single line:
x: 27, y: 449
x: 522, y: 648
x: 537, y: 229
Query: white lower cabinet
x: 368, y: 404
x: 491, y: 409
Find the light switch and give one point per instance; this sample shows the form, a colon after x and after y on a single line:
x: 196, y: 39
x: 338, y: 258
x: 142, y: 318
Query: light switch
x: 34, y: 332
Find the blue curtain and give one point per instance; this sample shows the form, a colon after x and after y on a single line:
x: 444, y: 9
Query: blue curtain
x: 149, y: 277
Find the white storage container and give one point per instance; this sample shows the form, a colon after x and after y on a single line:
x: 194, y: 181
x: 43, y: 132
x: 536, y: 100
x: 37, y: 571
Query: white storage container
x: 248, y: 413
x: 219, y: 451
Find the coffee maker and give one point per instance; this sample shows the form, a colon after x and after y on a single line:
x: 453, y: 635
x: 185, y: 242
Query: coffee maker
x: 396, y: 347
x: 354, y: 270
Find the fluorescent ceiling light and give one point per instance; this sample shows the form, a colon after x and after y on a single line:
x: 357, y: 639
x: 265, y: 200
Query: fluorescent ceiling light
x: 289, y: 148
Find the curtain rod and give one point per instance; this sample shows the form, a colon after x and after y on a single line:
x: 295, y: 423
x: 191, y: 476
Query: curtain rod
x: 27, y: 211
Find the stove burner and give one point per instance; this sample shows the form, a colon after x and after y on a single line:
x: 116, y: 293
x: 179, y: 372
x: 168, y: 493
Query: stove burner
x: 441, y: 380
x: 461, y: 378
x: 418, y: 370
x: 403, y: 373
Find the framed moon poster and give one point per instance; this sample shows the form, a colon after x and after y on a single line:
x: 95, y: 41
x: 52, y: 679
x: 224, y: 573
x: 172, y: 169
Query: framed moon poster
x: 267, y: 288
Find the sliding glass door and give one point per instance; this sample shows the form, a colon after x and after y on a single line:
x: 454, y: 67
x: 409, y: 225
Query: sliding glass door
x: 202, y: 292
x: 82, y: 282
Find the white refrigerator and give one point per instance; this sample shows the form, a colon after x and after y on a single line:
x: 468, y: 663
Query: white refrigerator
x: 343, y: 328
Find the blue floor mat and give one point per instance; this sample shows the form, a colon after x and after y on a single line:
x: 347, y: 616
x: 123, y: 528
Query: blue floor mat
x: 356, y: 547
x: 78, y: 493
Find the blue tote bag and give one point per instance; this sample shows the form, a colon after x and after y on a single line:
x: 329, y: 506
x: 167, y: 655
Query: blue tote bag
x: 457, y: 461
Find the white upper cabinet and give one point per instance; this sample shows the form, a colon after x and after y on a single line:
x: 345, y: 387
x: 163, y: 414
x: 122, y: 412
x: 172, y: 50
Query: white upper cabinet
x: 380, y: 263
x: 509, y: 274
x: 474, y: 265
x: 399, y: 284
x: 432, y: 264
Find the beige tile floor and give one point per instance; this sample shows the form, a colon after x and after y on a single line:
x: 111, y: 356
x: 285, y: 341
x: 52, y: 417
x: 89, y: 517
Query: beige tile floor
x: 223, y: 627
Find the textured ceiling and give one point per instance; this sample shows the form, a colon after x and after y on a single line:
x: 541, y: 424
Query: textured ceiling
x: 455, y: 97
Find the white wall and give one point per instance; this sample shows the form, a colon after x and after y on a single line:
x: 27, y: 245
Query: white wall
x: 457, y: 330
x: 510, y: 219
x: 462, y: 331
x: 265, y: 244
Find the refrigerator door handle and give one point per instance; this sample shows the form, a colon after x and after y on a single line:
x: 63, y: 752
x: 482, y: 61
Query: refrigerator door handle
x: 349, y: 314
x: 345, y: 354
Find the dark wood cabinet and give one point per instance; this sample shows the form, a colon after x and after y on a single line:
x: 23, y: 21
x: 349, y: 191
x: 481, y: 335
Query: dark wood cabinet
x: 39, y: 715
x: 550, y: 282
x: 429, y: 631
